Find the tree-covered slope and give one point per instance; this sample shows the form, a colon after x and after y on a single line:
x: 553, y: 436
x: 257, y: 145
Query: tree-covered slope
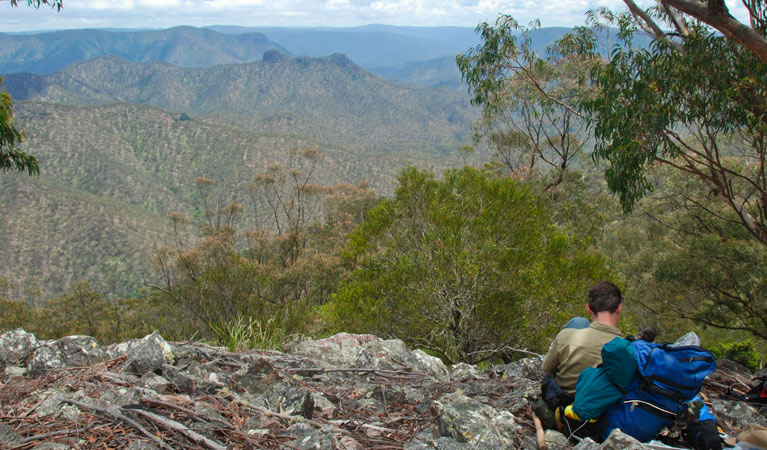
x: 110, y: 175
x: 330, y: 99
x: 46, y: 53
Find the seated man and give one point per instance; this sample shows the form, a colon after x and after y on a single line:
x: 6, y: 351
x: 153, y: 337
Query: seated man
x: 575, y: 349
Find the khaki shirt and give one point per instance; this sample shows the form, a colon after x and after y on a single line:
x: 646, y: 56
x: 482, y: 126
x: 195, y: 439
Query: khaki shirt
x: 576, y: 349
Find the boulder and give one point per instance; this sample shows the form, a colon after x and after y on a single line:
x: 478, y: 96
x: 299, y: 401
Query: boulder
x: 148, y: 355
x: 368, y: 351
x: 472, y: 422
x: 71, y: 351
x: 15, y: 347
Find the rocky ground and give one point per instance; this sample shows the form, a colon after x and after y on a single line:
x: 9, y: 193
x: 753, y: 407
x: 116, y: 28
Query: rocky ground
x: 344, y: 392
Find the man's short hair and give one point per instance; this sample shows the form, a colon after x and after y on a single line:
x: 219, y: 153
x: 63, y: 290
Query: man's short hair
x: 604, y: 296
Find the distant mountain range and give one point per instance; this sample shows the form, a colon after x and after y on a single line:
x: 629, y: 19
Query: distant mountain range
x: 331, y: 99
x: 424, y: 56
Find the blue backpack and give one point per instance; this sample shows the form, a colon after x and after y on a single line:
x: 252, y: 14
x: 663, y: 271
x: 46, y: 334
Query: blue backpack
x: 667, y: 379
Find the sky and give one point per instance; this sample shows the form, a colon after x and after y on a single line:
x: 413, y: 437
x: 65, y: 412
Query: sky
x: 298, y: 13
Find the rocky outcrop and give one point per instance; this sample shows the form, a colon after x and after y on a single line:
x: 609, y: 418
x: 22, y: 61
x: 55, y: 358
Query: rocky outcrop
x: 344, y: 392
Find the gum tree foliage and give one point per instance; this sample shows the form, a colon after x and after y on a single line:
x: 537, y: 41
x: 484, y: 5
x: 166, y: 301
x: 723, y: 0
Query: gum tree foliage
x: 468, y: 267
x: 11, y: 158
x: 670, y: 105
x: 526, y: 99
x: 694, y: 103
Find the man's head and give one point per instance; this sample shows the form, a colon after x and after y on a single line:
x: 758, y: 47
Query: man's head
x: 605, y: 299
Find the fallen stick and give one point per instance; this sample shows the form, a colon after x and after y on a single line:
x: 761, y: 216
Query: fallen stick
x: 118, y: 416
x: 397, y: 373
x: 200, y: 418
x: 23, y: 442
x: 539, y: 433
x: 181, y: 428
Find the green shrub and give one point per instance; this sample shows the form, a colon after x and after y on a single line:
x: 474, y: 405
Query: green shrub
x: 741, y: 352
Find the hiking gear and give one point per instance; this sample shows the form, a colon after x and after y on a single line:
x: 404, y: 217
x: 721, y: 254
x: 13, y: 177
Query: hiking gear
x: 552, y: 394
x: 758, y: 393
x: 600, y: 387
x: 578, y: 322
x: 647, y: 334
x: 667, y: 379
x: 570, y: 414
x: 703, y: 435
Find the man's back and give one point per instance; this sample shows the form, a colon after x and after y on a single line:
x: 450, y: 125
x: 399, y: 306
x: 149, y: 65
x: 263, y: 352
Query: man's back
x: 576, y: 349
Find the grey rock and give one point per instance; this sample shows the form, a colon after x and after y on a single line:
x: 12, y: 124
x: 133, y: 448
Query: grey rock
x: 323, y: 406
x: 587, y: 444
x: 469, y: 421
x: 397, y: 394
x: 256, y: 376
x: 463, y: 371
x: 529, y: 368
x: 366, y: 350
x: 148, y: 355
x: 440, y: 443
x: 738, y: 412
x: 618, y: 440
x: 141, y: 445
x: 288, y: 399
x: 8, y: 436
x: 52, y: 446
x: 16, y: 346
x: 555, y: 439
x: 15, y: 371
x: 189, y: 383
x: 154, y: 382
x: 51, y: 406
x: 317, y: 440
x: 71, y: 351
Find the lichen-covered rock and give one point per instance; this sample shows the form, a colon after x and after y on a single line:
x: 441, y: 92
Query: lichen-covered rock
x: 429, y: 364
x: 51, y: 406
x: 148, y: 354
x: 288, y: 399
x: 426, y: 442
x: 397, y: 394
x: 368, y: 351
x: 555, y: 439
x: 70, y: 351
x: 739, y: 412
x: 141, y: 445
x: 467, y: 420
x: 529, y: 368
x: 587, y: 444
x: 618, y: 440
x: 463, y: 371
x: 187, y: 382
x: 256, y: 376
x: 341, y: 349
x: 307, y: 438
x: 15, y: 347
x: 8, y: 436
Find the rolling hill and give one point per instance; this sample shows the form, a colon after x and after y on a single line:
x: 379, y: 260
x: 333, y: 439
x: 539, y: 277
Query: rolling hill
x: 331, y: 99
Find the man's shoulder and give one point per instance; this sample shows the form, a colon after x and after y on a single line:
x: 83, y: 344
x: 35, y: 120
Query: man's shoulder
x: 596, y: 327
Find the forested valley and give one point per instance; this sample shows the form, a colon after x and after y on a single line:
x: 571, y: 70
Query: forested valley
x: 268, y: 197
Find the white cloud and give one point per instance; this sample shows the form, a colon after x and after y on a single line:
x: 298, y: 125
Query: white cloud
x: 336, y: 13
